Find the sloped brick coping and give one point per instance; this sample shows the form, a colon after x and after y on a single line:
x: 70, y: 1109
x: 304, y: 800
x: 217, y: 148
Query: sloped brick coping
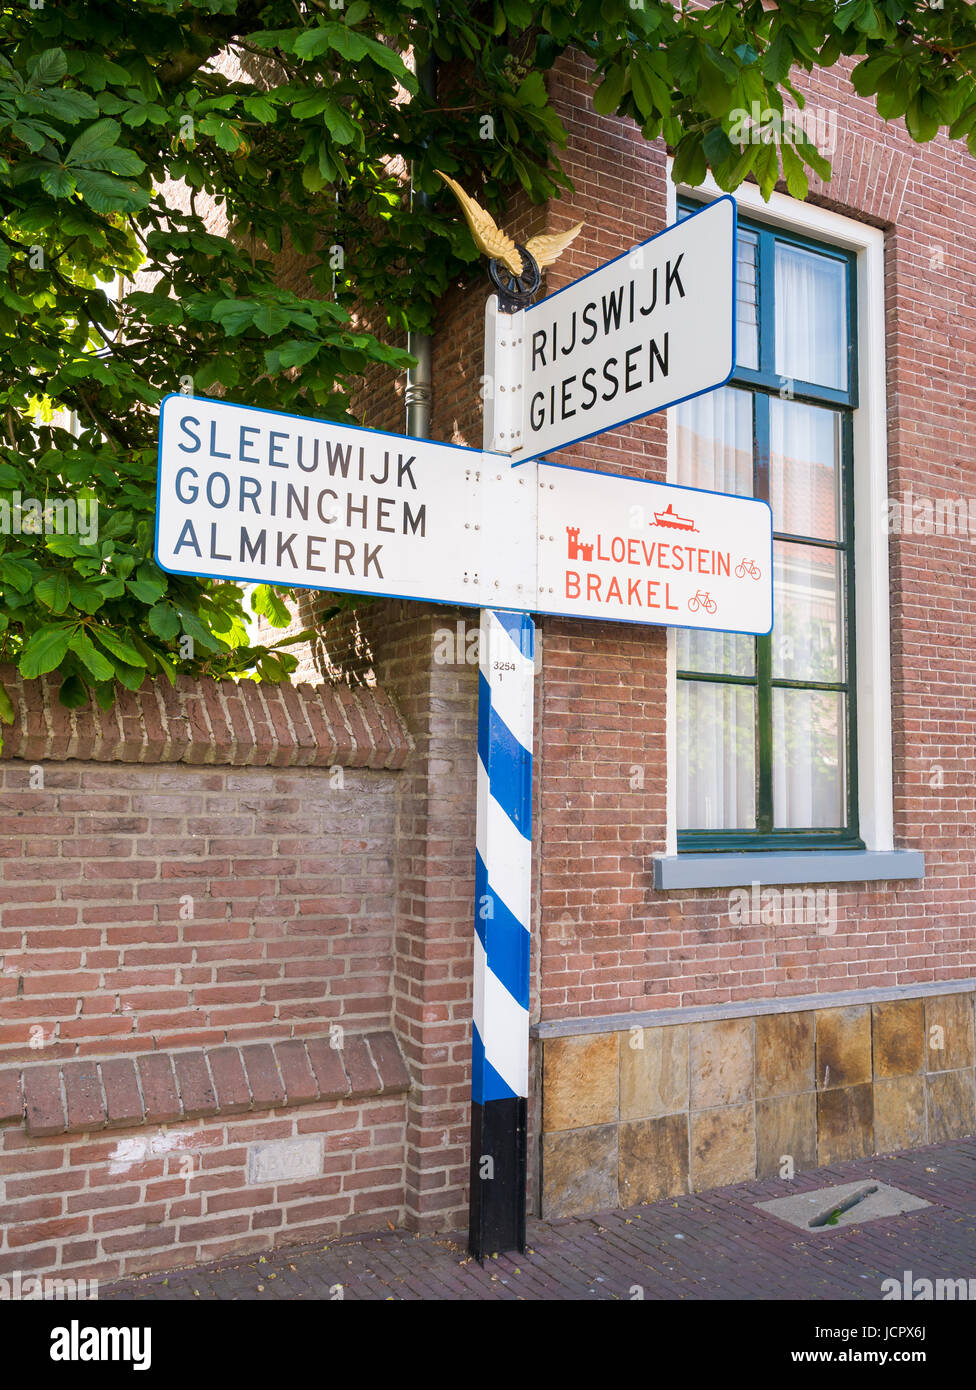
x: 206, y: 722
x: 76, y: 1097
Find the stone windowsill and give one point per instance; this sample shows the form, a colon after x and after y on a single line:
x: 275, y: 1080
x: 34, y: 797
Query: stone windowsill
x: 791, y: 866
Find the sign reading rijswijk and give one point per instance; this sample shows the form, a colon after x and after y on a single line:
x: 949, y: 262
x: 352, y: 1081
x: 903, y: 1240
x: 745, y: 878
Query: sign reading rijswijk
x: 651, y: 328
x: 263, y: 497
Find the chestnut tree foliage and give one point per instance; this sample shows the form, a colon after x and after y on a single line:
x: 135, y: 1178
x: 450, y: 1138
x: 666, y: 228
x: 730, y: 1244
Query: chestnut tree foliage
x: 298, y: 121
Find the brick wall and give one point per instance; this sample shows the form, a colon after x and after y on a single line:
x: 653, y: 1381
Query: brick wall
x: 196, y: 955
x: 107, y: 1204
x: 434, y: 899
x: 610, y: 946
x: 608, y: 941
x: 189, y: 905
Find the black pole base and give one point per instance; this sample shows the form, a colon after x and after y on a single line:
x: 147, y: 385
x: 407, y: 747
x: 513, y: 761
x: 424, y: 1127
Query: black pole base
x: 498, y: 1177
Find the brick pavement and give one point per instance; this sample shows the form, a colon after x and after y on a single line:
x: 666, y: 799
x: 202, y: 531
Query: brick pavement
x: 714, y: 1245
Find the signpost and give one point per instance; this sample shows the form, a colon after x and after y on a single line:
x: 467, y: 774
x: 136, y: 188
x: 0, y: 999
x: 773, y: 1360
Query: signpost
x: 259, y: 496
x: 503, y: 903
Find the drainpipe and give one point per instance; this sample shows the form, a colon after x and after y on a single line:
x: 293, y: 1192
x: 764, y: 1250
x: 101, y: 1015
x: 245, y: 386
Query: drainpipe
x: 419, y: 393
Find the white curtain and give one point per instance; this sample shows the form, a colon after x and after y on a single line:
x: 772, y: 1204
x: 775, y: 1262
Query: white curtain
x: 811, y: 321
x: 715, y: 442
x: 809, y: 777
x: 808, y: 619
x: 716, y: 781
x: 804, y: 482
x: 808, y: 632
x: 716, y: 773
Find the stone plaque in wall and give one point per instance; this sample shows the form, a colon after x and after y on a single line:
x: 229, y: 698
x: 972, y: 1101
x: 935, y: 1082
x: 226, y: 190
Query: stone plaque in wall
x: 284, y: 1160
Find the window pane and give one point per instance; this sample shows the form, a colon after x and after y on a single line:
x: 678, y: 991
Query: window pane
x: 715, y: 653
x: 811, y: 317
x: 809, y: 775
x: 805, y: 469
x: 808, y: 613
x: 747, y: 299
x: 716, y: 756
x: 714, y: 446
x: 714, y: 434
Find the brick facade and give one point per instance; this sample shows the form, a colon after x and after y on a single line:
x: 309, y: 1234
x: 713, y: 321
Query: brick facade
x: 609, y: 943
x: 320, y: 900
x: 196, y: 956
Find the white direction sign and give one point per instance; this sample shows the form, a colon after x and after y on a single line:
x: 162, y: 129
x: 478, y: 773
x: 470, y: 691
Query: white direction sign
x: 262, y: 497
x: 651, y: 328
x: 642, y: 552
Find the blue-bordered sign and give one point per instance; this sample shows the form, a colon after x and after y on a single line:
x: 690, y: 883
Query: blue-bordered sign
x: 261, y: 497
x: 653, y: 327
x: 645, y: 552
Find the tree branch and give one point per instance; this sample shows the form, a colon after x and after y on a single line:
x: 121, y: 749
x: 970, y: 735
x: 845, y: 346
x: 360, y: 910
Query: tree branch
x: 214, y: 34
x: 107, y: 428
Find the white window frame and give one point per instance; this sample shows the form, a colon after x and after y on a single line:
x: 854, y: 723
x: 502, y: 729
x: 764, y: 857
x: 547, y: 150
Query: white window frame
x: 871, y: 602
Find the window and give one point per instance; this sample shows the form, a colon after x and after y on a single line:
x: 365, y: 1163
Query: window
x: 765, y: 751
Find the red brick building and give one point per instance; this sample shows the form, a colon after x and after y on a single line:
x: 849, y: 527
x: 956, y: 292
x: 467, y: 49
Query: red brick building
x: 236, y: 923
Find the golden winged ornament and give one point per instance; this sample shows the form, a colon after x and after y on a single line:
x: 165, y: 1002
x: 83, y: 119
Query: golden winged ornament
x: 499, y: 246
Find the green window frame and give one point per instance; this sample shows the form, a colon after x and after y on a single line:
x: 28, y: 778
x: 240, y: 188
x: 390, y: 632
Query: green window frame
x: 763, y: 384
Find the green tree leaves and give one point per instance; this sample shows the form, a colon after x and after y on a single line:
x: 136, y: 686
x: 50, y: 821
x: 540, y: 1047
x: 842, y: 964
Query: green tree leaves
x: 163, y: 620
x: 129, y: 147
x: 45, y: 650
x: 54, y: 591
x: 94, y: 159
x: 266, y: 602
x: 716, y: 63
x: 91, y: 658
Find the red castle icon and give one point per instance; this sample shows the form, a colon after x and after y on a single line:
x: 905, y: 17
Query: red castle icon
x: 577, y: 551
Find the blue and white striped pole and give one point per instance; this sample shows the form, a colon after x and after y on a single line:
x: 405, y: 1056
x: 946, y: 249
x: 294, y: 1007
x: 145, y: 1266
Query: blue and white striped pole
x: 503, y: 884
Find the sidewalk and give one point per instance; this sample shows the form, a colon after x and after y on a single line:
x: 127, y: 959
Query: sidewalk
x: 713, y: 1245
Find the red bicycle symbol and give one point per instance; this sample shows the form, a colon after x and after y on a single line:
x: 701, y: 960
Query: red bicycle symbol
x: 745, y: 567
x: 701, y: 600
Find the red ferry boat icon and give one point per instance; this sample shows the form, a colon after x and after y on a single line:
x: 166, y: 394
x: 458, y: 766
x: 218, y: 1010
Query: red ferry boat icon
x: 669, y: 517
